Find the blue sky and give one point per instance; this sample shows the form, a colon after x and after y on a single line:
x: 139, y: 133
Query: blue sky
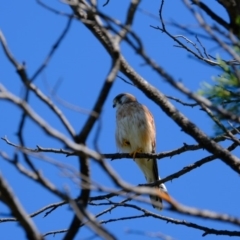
x: 79, y: 68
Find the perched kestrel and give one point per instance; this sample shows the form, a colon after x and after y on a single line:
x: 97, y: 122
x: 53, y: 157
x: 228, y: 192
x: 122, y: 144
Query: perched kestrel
x: 135, y: 133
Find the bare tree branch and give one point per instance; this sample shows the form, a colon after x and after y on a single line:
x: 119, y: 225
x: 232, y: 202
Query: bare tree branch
x: 210, y: 13
x: 7, y: 196
x: 84, y: 168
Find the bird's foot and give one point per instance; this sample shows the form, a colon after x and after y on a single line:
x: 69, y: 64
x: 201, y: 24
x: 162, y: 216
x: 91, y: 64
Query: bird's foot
x: 133, y: 154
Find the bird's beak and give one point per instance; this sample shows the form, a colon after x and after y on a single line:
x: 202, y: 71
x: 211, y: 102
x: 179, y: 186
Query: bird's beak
x: 114, y: 105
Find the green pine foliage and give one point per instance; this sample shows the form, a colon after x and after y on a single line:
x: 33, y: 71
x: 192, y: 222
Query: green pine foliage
x: 224, y: 92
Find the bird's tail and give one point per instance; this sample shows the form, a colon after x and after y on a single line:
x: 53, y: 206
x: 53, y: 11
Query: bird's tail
x: 156, y: 200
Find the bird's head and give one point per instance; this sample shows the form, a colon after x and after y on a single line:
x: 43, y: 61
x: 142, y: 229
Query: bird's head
x: 123, y: 98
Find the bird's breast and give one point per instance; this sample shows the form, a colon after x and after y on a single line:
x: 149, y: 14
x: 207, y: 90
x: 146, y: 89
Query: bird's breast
x: 133, y: 127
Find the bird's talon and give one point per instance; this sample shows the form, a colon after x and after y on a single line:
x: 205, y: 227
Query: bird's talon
x: 139, y: 150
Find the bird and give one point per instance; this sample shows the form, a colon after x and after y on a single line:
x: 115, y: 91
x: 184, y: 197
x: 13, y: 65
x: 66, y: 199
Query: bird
x: 136, y: 133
